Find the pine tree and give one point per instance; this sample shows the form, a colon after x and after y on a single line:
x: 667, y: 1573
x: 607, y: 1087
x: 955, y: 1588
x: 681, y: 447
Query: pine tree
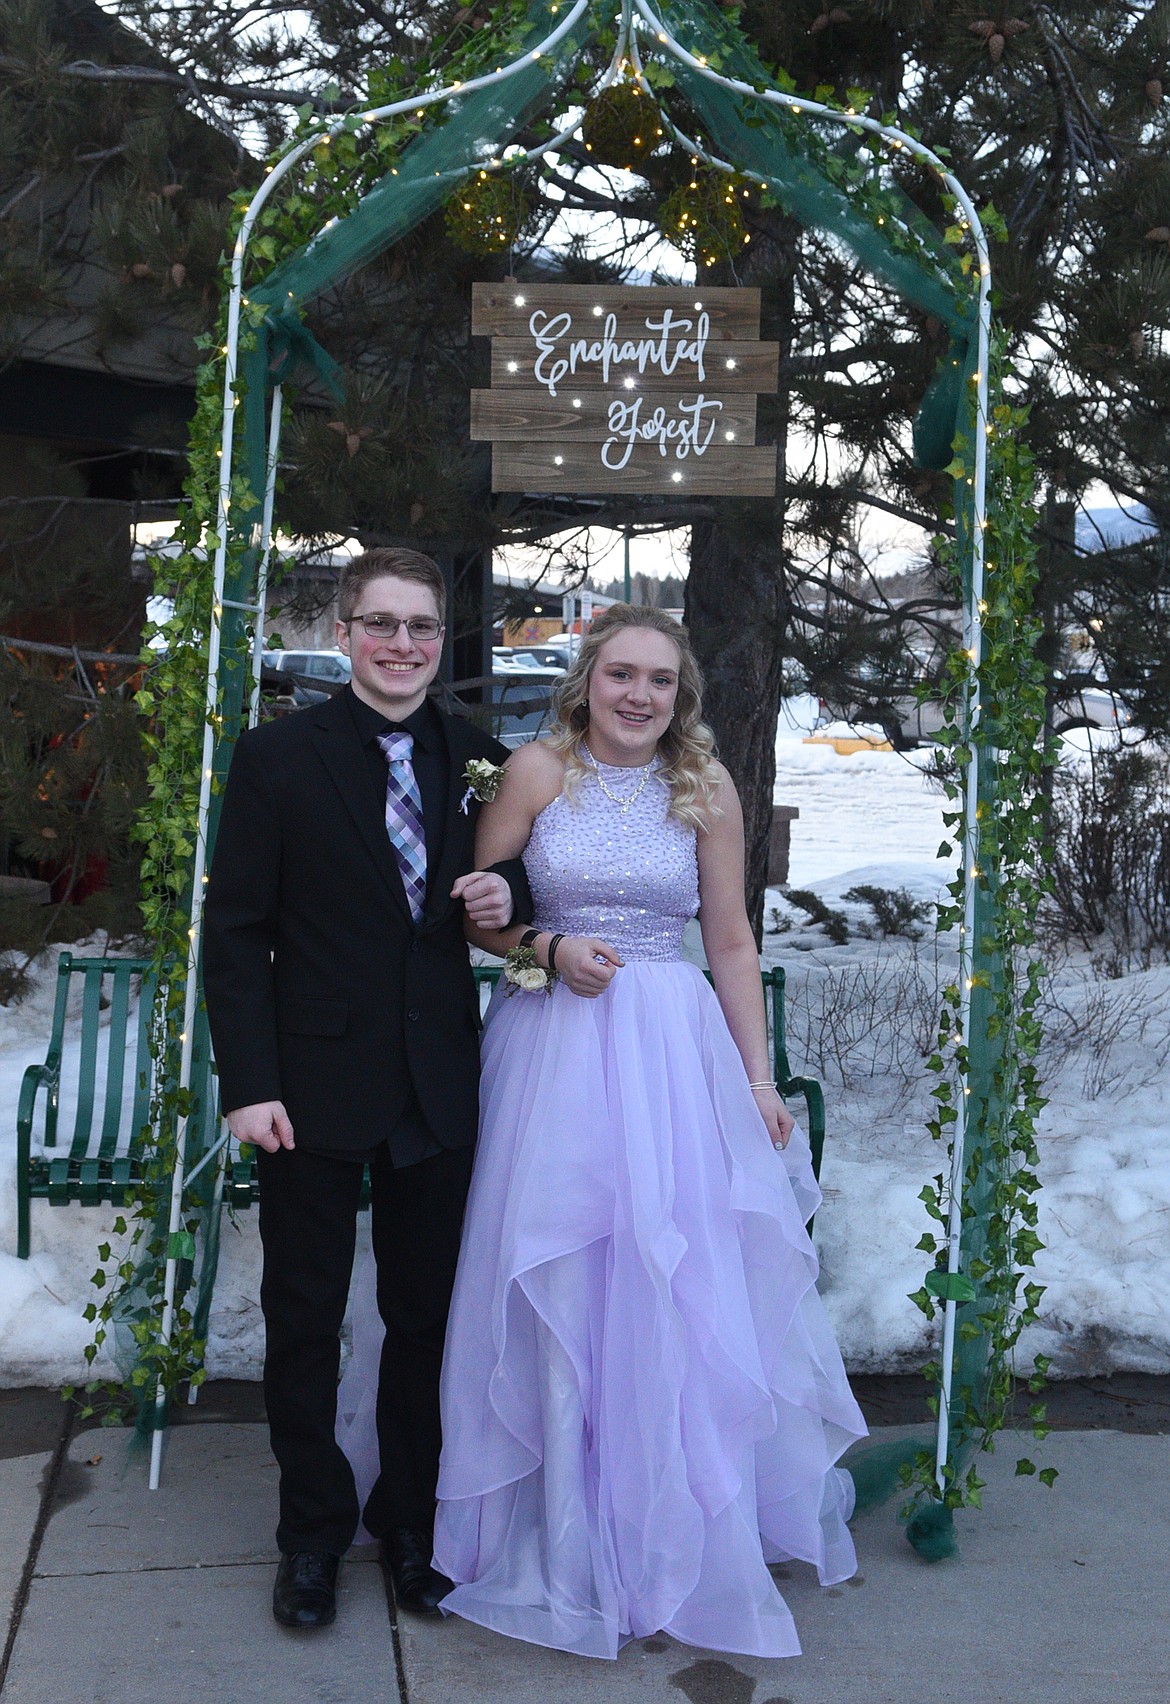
x: 1058, y: 117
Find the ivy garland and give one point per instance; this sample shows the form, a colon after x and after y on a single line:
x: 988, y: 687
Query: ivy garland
x: 1002, y: 1144
x: 332, y: 180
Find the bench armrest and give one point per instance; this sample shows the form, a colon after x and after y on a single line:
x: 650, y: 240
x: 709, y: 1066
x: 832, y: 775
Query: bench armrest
x: 46, y: 1076
x: 814, y: 1100
x: 35, y: 1078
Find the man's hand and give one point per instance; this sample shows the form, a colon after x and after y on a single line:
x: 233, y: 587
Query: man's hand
x: 586, y: 966
x: 264, y: 1125
x: 487, y: 897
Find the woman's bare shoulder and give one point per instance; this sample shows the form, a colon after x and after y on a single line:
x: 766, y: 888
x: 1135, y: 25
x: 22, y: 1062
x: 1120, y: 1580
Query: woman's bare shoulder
x: 537, y: 763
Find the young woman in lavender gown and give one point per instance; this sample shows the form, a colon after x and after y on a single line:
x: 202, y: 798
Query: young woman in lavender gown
x: 643, y: 1402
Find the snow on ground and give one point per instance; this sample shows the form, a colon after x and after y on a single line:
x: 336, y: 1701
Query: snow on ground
x: 861, y: 1019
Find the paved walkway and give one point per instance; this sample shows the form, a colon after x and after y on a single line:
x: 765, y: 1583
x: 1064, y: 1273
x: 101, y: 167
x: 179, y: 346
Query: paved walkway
x: 121, y: 1596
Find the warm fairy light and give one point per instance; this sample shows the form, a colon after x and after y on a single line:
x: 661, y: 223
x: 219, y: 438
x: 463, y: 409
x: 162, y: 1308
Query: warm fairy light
x: 519, y: 300
x: 698, y: 307
x: 730, y: 436
x: 629, y: 384
x: 513, y: 366
x: 730, y: 365
x: 597, y: 310
x: 576, y: 402
x: 677, y: 478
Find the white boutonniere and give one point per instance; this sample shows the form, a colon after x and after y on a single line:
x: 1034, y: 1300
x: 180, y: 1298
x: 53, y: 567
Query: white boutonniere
x: 483, y: 781
x: 522, y: 971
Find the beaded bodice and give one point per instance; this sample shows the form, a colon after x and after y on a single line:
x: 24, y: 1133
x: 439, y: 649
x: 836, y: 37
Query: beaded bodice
x: 629, y: 875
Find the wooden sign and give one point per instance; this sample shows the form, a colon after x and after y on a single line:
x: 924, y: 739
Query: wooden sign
x: 624, y: 388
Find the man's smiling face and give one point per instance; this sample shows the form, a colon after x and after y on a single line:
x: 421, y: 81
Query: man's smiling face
x: 392, y: 674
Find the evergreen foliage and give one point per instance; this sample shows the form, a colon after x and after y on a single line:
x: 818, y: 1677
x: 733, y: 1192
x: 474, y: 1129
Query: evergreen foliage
x: 1060, y: 121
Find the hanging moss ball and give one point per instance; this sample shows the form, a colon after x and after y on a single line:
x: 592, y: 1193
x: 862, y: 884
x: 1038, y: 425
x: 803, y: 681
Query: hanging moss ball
x: 621, y: 126
x: 703, y: 218
x: 487, y: 213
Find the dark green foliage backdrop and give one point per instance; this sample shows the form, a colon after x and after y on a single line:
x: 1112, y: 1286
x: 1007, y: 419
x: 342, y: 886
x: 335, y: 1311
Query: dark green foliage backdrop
x: 1061, y: 120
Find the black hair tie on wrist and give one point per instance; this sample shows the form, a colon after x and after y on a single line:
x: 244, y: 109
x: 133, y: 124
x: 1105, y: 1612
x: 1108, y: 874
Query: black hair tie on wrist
x: 552, y: 951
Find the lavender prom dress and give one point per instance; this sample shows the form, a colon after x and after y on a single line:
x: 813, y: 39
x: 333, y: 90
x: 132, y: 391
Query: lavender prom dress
x: 643, y: 1400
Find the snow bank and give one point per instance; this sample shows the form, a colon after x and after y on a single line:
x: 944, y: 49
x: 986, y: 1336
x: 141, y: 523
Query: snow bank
x: 860, y: 1019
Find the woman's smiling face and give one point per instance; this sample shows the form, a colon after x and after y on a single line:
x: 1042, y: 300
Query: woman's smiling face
x: 633, y: 686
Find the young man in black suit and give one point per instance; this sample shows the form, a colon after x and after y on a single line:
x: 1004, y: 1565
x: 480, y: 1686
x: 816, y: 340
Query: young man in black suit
x: 346, y: 1030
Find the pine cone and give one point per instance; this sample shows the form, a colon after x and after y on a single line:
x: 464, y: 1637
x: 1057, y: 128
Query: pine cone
x: 353, y: 436
x: 1137, y: 342
x: 1154, y: 91
x: 996, y: 32
x: 170, y: 190
x: 1159, y: 234
x: 178, y: 275
x: 417, y: 511
x: 140, y: 269
x: 829, y: 15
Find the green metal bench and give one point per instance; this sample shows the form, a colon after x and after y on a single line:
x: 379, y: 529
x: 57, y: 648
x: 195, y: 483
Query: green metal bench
x: 104, y: 1082
x: 102, y: 1159
x: 99, y: 1161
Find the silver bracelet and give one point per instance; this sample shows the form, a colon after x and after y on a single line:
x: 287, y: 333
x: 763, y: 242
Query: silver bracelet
x: 766, y: 1085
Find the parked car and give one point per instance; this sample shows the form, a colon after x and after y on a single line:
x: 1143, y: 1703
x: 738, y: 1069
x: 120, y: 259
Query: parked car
x: 531, y: 656
x: 309, y: 677
x: 520, y: 702
x: 908, y: 722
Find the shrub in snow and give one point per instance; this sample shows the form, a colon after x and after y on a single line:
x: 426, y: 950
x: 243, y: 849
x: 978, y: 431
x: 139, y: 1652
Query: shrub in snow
x: 1109, y: 857
x: 834, y: 923
x: 895, y: 910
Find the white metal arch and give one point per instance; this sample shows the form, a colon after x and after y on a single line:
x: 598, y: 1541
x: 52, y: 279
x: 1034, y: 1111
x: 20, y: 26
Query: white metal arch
x: 627, y: 45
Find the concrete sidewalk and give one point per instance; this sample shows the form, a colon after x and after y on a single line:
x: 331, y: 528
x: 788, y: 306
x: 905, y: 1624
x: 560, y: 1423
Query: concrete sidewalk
x: 127, y: 1597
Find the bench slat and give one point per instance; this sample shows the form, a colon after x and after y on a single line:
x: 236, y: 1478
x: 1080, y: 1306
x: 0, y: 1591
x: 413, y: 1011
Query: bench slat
x: 58, y: 1185
x: 115, y: 1060
x: 92, y: 973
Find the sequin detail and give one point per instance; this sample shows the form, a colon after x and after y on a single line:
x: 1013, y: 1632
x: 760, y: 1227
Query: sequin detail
x: 632, y: 879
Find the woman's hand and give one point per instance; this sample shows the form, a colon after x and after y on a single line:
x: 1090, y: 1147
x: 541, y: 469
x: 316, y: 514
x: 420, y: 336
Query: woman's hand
x: 775, y: 1115
x: 586, y: 965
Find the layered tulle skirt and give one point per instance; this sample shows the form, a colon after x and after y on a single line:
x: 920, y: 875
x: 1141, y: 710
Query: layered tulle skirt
x: 643, y: 1401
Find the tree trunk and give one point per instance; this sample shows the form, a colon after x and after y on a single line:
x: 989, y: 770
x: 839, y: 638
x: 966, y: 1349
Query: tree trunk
x: 736, y: 606
x: 738, y: 599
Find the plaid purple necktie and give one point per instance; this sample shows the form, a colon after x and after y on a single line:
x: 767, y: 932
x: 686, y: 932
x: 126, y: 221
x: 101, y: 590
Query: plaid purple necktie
x: 404, y: 818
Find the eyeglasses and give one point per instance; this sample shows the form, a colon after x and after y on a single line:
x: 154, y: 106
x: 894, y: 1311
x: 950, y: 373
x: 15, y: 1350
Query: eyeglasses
x: 420, y: 627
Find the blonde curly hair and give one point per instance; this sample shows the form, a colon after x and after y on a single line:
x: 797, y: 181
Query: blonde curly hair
x: 687, y: 748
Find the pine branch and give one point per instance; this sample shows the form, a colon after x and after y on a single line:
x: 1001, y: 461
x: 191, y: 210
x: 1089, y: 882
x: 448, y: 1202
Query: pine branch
x: 13, y: 646
x: 240, y: 93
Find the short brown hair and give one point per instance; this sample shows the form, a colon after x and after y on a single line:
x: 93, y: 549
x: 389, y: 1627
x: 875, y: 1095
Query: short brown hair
x: 375, y: 564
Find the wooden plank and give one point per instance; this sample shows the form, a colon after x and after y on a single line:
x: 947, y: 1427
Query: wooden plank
x: 521, y: 416
x: 747, y: 470
x: 504, y: 310
x: 730, y: 367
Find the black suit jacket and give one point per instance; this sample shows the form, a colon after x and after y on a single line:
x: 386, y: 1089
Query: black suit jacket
x: 321, y: 992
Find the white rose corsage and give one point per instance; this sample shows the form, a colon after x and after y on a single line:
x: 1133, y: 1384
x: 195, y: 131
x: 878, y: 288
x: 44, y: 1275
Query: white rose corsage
x: 483, y: 781
x: 522, y: 971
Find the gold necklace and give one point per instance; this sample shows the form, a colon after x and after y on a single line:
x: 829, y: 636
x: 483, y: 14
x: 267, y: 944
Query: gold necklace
x: 623, y: 803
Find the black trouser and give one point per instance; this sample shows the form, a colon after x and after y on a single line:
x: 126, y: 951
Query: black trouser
x: 308, y: 1210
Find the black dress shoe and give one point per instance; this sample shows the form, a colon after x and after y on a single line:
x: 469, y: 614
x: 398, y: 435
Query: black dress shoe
x: 406, y: 1558
x: 305, y: 1593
